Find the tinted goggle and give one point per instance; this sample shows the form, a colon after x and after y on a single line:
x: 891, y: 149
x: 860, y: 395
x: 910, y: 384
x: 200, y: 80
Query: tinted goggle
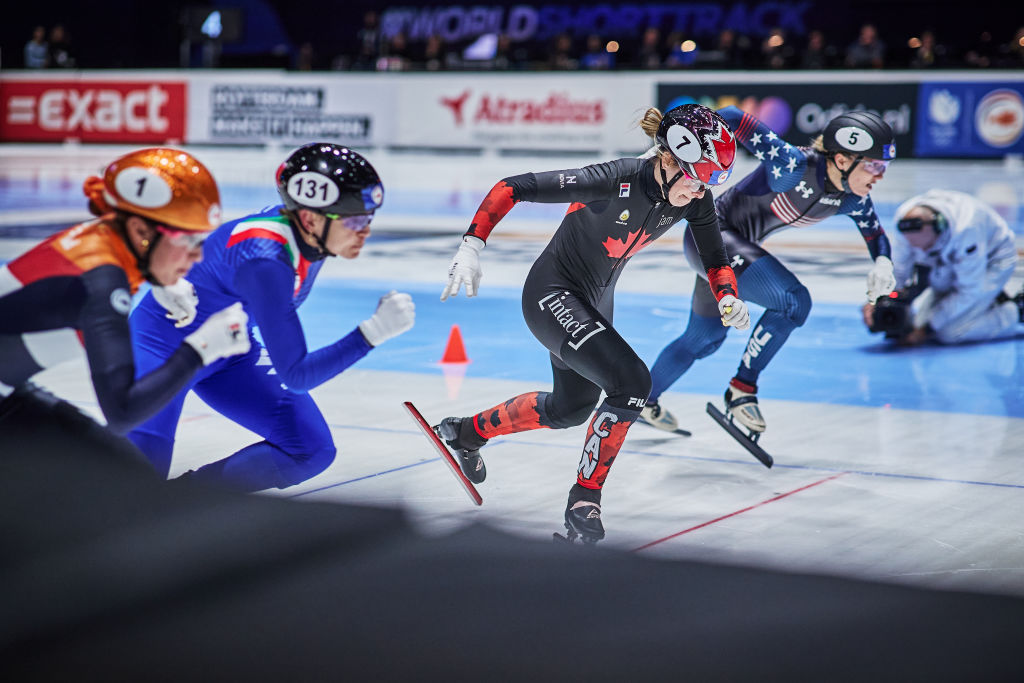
x: 182, y: 238
x: 874, y: 166
x: 912, y: 224
x: 693, y: 184
x: 354, y: 222
x: 696, y: 185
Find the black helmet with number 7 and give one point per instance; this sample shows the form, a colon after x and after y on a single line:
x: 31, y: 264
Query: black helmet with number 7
x: 329, y: 179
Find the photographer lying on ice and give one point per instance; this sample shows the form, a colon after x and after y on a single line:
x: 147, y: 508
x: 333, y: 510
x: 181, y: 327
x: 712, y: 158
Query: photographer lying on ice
x: 953, y: 255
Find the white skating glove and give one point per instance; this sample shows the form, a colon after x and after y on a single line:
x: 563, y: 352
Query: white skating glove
x: 465, y: 268
x: 881, y: 280
x: 395, y: 314
x: 734, y: 312
x: 180, y: 300
x: 225, y: 333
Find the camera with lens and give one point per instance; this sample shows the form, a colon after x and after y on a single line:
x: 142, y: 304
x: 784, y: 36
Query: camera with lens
x: 893, y: 314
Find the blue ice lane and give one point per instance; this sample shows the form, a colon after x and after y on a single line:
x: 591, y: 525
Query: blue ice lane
x: 831, y: 359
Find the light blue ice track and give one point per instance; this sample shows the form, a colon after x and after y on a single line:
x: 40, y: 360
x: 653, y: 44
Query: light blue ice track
x: 831, y: 359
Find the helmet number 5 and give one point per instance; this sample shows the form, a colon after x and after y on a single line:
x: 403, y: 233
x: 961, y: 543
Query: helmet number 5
x: 853, y: 138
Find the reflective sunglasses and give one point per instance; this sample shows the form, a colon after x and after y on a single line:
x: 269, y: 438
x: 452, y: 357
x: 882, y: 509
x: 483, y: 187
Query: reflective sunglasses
x: 692, y: 183
x: 874, y: 166
x: 355, y: 222
x: 182, y: 238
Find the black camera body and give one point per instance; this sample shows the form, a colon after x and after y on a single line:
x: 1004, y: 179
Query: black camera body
x: 892, y: 316
x: 892, y: 313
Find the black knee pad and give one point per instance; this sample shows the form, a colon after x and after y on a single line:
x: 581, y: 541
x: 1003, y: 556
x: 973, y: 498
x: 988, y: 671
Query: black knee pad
x: 632, y: 385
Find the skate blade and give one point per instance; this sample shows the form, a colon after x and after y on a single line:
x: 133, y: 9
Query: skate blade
x: 446, y: 455
x: 748, y: 441
x: 573, y: 538
x: 678, y: 431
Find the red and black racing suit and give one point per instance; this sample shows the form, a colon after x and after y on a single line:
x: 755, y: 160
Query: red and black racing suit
x: 616, y: 210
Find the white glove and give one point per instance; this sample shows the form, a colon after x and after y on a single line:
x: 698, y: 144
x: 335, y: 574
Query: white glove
x: 180, y: 300
x: 225, y: 333
x: 734, y: 312
x: 465, y: 268
x: 395, y: 314
x: 881, y: 281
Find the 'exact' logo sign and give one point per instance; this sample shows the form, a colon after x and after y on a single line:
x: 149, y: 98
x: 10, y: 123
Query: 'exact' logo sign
x: 95, y: 111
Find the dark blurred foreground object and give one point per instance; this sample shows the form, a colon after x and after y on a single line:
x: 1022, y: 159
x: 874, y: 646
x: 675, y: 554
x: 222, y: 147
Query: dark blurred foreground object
x: 108, y: 575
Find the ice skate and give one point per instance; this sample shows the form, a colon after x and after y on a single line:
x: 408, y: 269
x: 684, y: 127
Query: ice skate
x: 656, y: 416
x: 583, y: 516
x: 583, y: 519
x: 742, y: 405
x: 452, y: 461
x: 468, y: 453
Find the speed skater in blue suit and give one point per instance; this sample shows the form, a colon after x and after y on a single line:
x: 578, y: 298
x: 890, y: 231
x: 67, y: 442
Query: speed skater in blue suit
x: 791, y: 187
x: 268, y: 261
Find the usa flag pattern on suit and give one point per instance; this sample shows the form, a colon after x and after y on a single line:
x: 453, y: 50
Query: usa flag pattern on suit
x: 789, y: 189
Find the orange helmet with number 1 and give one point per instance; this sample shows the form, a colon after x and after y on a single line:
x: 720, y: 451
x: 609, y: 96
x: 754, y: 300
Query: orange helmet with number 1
x: 166, y: 185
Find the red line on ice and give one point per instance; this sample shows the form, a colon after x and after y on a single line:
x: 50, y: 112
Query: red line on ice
x: 739, y: 512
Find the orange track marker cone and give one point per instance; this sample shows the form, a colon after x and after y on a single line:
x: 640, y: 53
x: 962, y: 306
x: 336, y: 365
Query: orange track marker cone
x: 455, y: 352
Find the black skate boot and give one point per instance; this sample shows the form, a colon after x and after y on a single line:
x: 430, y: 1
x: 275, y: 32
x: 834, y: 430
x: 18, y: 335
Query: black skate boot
x: 583, y: 515
x: 461, y: 437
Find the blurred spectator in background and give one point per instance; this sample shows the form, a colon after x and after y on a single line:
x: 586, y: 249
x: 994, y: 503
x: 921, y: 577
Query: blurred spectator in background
x: 1013, y: 52
x: 305, y: 58
x: 927, y: 53
x: 561, y: 55
x: 370, y: 42
x: 982, y: 54
x: 510, y: 55
x: 396, y: 55
x: 818, y: 54
x: 37, y: 52
x: 648, y: 55
x: 729, y: 52
x: 868, y: 51
x: 435, y: 58
x: 597, y: 56
x: 60, y: 49
x: 776, y: 51
x: 682, y: 52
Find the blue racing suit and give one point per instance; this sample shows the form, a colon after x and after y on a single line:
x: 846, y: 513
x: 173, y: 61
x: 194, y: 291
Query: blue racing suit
x: 259, y: 261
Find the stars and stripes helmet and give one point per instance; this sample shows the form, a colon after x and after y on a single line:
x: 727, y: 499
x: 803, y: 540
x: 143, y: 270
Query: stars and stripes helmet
x: 700, y: 141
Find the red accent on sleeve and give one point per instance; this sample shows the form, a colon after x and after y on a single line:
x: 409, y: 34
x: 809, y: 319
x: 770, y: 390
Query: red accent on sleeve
x: 575, y: 206
x: 723, y: 281
x: 493, y: 208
